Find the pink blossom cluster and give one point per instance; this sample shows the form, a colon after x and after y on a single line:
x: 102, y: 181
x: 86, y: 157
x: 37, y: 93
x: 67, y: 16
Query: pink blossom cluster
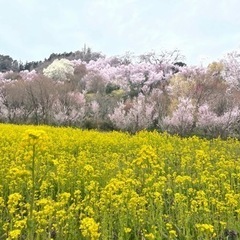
x: 143, y: 93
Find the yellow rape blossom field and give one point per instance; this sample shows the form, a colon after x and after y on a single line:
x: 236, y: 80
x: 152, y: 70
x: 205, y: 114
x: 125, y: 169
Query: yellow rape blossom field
x: 65, y: 183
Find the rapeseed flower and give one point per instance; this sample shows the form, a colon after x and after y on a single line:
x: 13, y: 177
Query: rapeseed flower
x: 96, y: 185
x: 89, y: 228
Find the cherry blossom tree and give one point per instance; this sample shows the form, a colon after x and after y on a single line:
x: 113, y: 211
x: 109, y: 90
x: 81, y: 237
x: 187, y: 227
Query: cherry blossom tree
x: 154, y: 90
x: 182, y: 119
x: 213, y: 125
x: 135, y: 115
x: 59, y: 70
x: 69, y: 109
x: 231, y: 73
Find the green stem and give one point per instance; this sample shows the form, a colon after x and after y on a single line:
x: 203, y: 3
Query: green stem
x: 32, y: 194
x: 33, y: 183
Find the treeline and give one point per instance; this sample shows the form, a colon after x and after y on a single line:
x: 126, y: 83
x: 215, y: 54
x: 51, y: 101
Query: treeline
x: 127, y: 93
x: 7, y: 63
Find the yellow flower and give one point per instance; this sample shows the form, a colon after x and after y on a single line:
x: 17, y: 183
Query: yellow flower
x: 13, y: 201
x: 127, y: 230
x: 149, y: 236
x: 172, y: 234
x: 21, y: 224
x: 89, y: 228
x: 205, y: 228
x: 14, y: 234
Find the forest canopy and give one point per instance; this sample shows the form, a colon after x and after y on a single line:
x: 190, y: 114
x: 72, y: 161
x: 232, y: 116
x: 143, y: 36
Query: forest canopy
x: 129, y: 93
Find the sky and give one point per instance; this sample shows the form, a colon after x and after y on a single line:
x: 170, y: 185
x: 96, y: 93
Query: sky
x: 202, y: 30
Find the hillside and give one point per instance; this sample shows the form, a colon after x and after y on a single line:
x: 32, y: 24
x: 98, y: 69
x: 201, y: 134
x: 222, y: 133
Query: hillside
x: 129, y: 93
